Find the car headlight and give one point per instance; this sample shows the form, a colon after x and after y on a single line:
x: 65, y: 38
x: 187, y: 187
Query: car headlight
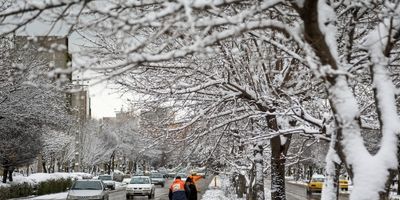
x: 129, y: 188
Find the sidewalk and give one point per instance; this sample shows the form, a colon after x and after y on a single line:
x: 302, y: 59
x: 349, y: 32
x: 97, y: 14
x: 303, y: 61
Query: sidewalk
x: 215, y: 183
x: 214, y: 191
x: 56, y: 196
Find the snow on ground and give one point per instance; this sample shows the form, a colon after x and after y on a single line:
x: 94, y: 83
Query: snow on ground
x: 40, y: 177
x: 216, y: 189
x: 56, y: 196
x: 214, y: 194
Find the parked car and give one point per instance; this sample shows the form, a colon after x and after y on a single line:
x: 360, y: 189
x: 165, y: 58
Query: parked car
x: 140, y: 186
x: 344, y: 184
x: 157, y: 179
x: 316, y: 183
x: 108, y: 181
x: 88, y: 189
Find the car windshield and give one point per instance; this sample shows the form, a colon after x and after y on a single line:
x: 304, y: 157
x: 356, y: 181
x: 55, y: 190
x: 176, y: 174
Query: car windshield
x: 140, y: 181
x: 317, y: 180
x: 87, y: 185
x: 156, y: 175
x: 105, y: 178
x: 126, y: 180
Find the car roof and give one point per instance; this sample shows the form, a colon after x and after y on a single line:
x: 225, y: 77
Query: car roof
x: 81, y: 180
x: 318, y: 176
x: 140, y: 177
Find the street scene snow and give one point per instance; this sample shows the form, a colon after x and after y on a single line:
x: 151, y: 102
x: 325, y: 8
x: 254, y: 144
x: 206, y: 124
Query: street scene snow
x: 200, y: 99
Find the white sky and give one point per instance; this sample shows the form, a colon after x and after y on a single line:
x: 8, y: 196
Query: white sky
x: 104, y: 101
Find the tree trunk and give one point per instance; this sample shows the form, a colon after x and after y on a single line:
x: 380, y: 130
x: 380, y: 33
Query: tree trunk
x: 398, y: 180
x: 44, y: 167
x: 277, y: 170
x: 39, y: 168
x: 27, y: 170
x: 384, y: 195
x: 113, y: 163
x: 259, y: 175
x: 5, y: 173
x: 10, y: 172
x: 241, y: 185
x: 250, y: 194
x: 278, y: 159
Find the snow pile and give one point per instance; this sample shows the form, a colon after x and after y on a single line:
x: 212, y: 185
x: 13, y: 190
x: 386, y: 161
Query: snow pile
x: 58, y: 196
x: 41, y: 177
x: 214, y: 194
x: 220, y: 188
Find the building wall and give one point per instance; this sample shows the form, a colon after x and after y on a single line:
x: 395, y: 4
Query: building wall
x: 52, y: 50
x: 80, y: 105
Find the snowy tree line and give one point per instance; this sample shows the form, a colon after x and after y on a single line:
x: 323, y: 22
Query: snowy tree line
x: 253, y: 78
x: 37, y: 125
x: 26, y: 109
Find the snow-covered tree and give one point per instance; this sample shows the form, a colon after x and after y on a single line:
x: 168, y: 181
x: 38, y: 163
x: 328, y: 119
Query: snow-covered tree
x: 28, y: 103
x: 230, y: 61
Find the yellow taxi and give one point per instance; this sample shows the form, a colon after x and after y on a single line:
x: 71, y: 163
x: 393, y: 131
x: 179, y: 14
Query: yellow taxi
x: 344, y: 184
x: 316, y: 183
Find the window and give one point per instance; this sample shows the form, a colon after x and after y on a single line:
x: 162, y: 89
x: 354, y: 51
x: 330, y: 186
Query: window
x: 140, y: 181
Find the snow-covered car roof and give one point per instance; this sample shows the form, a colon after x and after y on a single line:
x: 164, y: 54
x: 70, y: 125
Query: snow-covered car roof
x: 318, y: 176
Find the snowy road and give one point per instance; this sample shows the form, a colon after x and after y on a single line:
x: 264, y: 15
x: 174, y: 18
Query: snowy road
x: 119, y: 194
x: 162, y: 193
x: 298, y: 192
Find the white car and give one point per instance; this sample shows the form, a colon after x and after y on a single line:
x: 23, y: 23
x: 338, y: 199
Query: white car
x: 87, y: 189
x: 140, y: 186
x: 108, y: 181
x: 126, y: 181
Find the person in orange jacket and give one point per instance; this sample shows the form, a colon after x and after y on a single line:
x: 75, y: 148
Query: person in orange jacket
x: 178, y: 190
x: 194, y: 177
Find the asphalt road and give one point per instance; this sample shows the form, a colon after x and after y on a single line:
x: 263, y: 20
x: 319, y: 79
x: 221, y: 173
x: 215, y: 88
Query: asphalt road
x: 161, y: 193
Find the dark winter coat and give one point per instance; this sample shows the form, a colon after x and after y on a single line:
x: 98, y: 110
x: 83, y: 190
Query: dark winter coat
x: 191, y: 191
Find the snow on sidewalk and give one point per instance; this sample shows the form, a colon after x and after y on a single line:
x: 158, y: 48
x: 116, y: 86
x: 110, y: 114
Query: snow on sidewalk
x: 214, y: 194
x: 56, y: 196
x: 215, y: 183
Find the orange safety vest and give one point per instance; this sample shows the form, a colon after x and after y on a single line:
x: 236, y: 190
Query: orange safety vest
x: 177, y: 185
x: 195, y: 178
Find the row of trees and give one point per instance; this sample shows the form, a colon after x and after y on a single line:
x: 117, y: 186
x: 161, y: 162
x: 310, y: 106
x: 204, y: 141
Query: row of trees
x: 251, y: 78
x: 30, y: 105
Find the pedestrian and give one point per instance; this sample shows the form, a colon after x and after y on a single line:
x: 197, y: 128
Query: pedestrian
x: 191, y: 189
x: 177, y: 190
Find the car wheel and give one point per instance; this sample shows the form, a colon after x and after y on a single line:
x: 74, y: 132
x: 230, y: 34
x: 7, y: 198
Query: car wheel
x: 128, y: 197
x: 162, y: 185
x: 113, y: 188
x: 308, y: 192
